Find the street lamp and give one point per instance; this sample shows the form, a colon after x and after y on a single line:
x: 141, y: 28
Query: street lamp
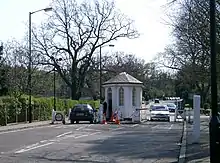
x: 214, y: 121
x: 100, y: 70
x: 54, y: 85
x: 30, y: 61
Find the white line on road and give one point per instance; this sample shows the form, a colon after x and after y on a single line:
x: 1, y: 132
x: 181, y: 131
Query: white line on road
x: 81, y: 136
x: 58, y: 127
x: 83, y: 127
x: 135, y: 125
x: 43, y: 141
x: 156, y: 126
x: 90, y: 129
x: 66, y: 133
x: 170, y: 127
x: 35, y: 147
x: 80, y: 128
x: 95, y: 133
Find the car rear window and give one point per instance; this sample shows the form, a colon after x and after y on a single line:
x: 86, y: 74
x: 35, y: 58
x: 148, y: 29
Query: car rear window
x: 81, y: 108
x: 170, y: 105
x: 159, y: 108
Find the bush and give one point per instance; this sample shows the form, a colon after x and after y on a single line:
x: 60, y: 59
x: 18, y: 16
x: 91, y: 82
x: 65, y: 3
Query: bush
x: 206, y: 106
x: 16, y: 109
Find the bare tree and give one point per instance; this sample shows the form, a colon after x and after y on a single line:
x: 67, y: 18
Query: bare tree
x: 74, y: 32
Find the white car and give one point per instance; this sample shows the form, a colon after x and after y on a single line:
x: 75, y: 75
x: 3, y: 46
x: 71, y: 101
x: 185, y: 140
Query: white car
x: 159, y: 112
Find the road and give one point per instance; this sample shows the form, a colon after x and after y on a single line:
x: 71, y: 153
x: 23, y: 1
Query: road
x: 93, y: 143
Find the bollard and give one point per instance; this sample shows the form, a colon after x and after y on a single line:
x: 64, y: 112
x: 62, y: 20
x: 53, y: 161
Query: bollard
x: 53, y: 116
x: 189, y: 116
x: 214, y: 138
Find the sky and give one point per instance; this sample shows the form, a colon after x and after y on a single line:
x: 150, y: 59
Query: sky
x: 148, y: 15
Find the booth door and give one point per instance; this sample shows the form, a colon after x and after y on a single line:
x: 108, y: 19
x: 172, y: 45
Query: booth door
x: 109, y: 101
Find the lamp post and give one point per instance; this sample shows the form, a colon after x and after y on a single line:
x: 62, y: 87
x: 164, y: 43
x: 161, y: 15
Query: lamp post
x: 54, y: 85
x: 214, y: 121
x: 100, y: 70
x: 30, y: 62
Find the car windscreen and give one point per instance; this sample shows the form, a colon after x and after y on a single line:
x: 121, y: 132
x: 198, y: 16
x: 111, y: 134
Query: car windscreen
x: 171, y: 105
x: 80, y: 108
x: 159, y: 108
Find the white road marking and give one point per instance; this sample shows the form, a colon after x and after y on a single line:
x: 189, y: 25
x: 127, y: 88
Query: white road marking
x: 66, y: 133
x: 95, y: 133
x: 81, y: 136
x: 134, y: 125
x: 20, y: 130
x: 35, y: 147
x: 83, y: 127
x: 52, y: 140
x: 90, y: 129
x: 156, y: 126
x: 80, y: 128
x: 57, y: 139
x: 58, y: 127
x: 170, y: 127
x: 43, y: 141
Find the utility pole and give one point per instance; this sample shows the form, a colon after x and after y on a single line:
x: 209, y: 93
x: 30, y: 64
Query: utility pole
x: 54, y: 89
x: 30, y: 62
x: 29, y: 72
x: 1, y: 51
x: 100, y: 73
x: 54, y: 81
x: 214, y: 121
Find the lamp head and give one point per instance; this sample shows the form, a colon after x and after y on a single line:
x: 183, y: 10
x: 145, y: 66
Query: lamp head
x: 48, y: 9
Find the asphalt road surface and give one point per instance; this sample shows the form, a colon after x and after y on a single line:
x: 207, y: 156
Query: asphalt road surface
x: 150, y: 142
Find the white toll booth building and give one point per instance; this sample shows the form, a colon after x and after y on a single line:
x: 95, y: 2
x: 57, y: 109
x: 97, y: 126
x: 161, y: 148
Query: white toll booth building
x: 123, y: 93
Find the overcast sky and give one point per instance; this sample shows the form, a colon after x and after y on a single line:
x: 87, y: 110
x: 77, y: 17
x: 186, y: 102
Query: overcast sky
x: 148, y: 16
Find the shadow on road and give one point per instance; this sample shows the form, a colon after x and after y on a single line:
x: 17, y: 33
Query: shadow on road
x: 160, y: 145
x: 198, y: 152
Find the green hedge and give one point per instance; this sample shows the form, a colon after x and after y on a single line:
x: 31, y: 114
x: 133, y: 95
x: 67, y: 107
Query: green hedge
x: 14, y: 110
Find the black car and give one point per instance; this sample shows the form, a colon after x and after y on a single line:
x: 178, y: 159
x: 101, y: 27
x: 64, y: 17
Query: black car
x: 82, y: 112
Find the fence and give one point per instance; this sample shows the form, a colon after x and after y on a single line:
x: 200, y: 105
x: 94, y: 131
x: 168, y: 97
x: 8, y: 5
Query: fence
x: 15, y: 110
x: 18, y: 114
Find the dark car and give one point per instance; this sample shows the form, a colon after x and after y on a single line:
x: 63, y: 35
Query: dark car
x: 156, y: 101
x: 82, y: 112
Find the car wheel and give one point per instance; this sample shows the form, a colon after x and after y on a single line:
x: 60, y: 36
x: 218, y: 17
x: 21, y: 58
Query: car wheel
x: 77, y: 122
x: 151, y: 119
x: 91, y: 122
x: 72, y: 121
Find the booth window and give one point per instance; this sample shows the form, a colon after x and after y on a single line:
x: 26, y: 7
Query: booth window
x: 134, y: 97
x: 121, y: 96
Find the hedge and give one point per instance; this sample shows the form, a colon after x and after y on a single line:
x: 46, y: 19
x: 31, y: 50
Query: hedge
x: 13, y: 110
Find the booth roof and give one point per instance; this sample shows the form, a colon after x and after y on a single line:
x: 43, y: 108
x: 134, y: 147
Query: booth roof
x: 123, y: 78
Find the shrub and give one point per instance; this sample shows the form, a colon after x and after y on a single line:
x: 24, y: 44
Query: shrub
x: 16, y: 109
x: 206, y: 106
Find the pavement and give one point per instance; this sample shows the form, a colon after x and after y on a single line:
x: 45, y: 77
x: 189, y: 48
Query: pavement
x: 148, y: 142
x: 17, y: 126
x: 198, y: 153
